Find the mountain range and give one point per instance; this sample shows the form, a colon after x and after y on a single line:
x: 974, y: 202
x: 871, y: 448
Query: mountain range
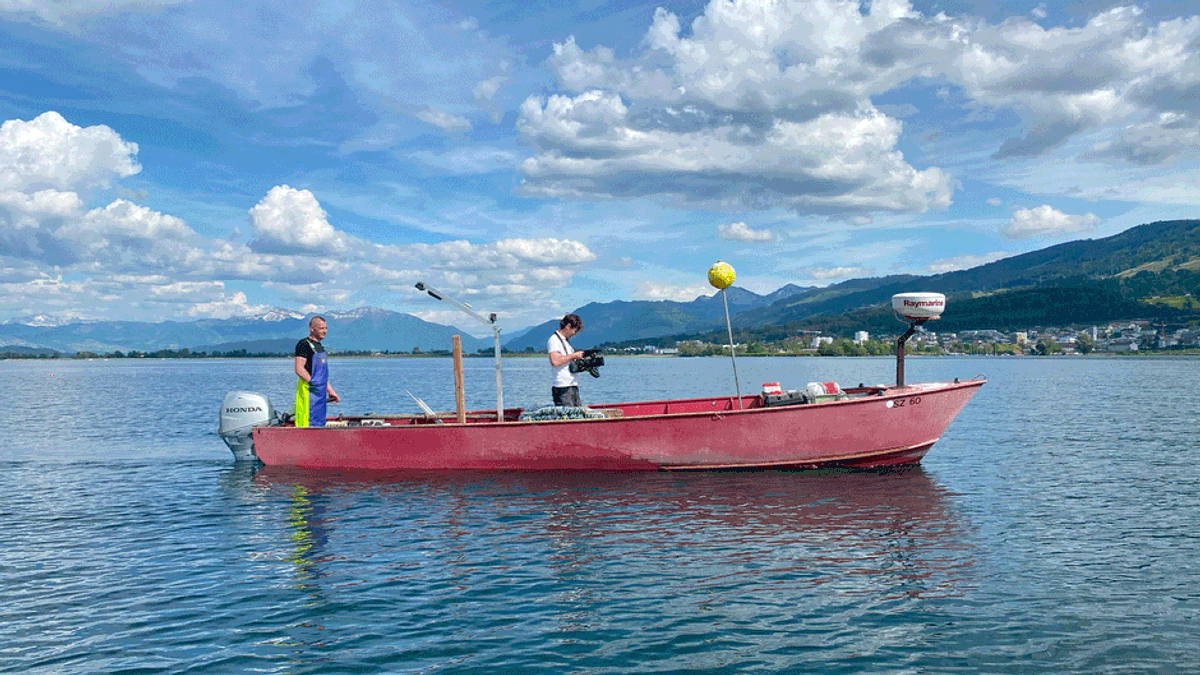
x: 277, y: 331
x: 621, y: 321
x: 1084, y: 280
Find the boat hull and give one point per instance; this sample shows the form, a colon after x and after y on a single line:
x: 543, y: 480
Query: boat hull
x: 884, y: 427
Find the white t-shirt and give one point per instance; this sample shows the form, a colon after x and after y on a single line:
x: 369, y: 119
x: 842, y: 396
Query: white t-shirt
x: 562, y: 376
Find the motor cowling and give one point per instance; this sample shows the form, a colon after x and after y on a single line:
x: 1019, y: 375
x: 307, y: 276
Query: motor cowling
x: 241, y: 411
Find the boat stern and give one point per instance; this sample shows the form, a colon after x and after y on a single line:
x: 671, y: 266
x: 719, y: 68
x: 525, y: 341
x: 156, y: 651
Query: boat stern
x: 241, y: 411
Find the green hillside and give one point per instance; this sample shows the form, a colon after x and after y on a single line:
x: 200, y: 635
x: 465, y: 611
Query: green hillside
x: 1145, y: 261
x: 1147, y: 272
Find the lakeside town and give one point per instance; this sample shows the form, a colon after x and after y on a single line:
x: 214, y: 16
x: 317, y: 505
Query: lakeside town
x: 1118, y: 337
x: 1130, y: 336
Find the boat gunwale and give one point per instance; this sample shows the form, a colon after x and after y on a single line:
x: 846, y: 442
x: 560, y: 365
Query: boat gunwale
x: 885, y: 394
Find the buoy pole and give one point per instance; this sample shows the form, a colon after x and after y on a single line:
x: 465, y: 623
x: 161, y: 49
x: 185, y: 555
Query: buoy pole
x: 732, y: 351
x: 721, y: 276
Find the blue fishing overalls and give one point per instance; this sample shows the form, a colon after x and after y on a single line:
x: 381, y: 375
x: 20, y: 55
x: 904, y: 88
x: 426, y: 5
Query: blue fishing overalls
x: 312, y: 396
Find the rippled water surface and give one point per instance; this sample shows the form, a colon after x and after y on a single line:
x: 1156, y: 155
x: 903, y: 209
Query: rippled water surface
x: 1053, y: 529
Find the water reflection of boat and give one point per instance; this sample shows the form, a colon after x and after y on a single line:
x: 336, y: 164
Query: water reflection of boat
x: 852, y: 531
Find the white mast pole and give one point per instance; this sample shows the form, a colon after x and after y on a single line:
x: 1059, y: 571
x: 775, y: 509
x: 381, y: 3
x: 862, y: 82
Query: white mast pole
x: 491, y: 321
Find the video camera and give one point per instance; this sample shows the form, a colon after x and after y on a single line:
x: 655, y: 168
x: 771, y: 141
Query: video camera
x: 590, y: 363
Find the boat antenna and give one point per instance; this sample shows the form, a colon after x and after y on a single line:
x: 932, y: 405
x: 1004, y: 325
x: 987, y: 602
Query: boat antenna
x: 721, y: 276
x: 914, y: 309
x: 491, y: 321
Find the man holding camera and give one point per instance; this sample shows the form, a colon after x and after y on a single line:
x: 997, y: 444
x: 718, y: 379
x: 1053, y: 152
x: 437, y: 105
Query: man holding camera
x: 565, y: 385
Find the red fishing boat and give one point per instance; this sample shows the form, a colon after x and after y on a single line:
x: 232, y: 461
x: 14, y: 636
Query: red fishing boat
x: 820, y: 426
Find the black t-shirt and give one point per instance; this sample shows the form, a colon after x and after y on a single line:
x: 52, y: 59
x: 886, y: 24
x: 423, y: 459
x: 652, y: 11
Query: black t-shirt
x: 306, y: 348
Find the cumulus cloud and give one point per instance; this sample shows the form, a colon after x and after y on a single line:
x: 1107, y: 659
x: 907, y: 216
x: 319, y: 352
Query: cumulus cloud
x: 509, y: 270
x: 757, y: 106
x: 291, y: 225
x: 594, y: 147
x: 47, y: 168
x: 290, y: 220
x: 761, y: 104
x: 741, y: 232
x: 651, y: 290
x: 122, y: 249
x: 1115, y: 70
x: 50, y: 153
x: 1047, y: 221
x: 225, y: 306
x: 124, y: 235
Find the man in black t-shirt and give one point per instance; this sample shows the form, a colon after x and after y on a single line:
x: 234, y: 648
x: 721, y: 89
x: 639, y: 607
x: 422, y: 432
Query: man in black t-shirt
x: 313, y: 390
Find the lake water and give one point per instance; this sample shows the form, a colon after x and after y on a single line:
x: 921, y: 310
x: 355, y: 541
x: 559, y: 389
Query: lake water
x: 1053, y: 529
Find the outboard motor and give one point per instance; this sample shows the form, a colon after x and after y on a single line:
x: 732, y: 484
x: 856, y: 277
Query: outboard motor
x: 241, y: 411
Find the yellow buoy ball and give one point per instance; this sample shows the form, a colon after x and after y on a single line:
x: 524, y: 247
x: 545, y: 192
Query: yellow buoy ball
x: 721, y: 275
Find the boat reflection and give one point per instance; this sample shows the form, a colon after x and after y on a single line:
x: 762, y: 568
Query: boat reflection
x: 894, y: 534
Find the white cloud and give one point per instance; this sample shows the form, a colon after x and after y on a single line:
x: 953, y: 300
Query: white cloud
x: 995, y: 201
x: 1047, y: 221
x: 593, y: 147
x: 225, y: 306
x: 550, y: 251
x: 470, y: 160
x: 44, y: 166
x: 124, y: 235
x: 741, y: 232
x: 840, y: 273
x: 1115, y: 70
x: 291, y: 220
x: 123, y: 248
x: 443, y: 120
x: 62, y: 13
x: 651, y: 290
x: 50, y: 153
x: 964, y: 262
x: 761, y: 104
x: 507, y: 272
x: 1161, y: 141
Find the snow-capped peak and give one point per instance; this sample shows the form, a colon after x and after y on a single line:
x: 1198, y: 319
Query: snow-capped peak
x: 278, y: 314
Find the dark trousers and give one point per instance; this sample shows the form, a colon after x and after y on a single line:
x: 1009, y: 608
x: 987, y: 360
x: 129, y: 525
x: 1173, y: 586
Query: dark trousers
x: 566, y: 396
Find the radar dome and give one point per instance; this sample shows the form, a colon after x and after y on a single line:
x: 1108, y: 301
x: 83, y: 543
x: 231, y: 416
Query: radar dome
x: 915, y: 306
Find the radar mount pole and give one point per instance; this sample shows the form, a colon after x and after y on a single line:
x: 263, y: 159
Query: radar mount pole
x: 912, y: 328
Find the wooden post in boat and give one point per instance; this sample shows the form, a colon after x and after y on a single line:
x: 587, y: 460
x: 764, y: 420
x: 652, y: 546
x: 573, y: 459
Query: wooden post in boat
x: 460, y: 404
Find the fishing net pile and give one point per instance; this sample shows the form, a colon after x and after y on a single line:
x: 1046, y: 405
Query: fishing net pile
x: 560, y: 412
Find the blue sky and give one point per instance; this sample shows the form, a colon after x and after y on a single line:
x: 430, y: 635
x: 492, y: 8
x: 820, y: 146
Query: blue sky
x: 176, y: 159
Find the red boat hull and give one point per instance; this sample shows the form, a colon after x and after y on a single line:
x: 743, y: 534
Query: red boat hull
x: 873, y: 428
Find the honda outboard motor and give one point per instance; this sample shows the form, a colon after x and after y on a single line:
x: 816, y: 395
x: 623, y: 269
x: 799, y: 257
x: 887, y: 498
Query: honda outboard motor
x: 241, y: 411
